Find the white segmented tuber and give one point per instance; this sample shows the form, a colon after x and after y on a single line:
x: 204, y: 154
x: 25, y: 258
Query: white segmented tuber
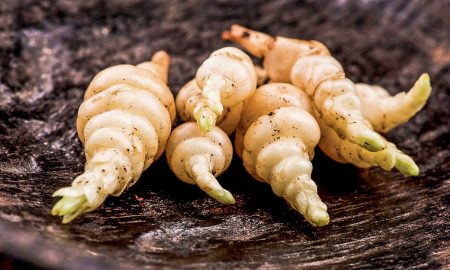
x: 124, y: 123
x: 276, y: 139
x: 384, y: 111
x: 198, y: 157
x: 308, y: 65
x: 190, y: 99
x: 225, y: 79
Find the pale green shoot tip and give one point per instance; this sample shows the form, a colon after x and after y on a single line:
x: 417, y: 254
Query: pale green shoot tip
x: 221, y: 195
x: 406, y: 165
x: 69, y: 207
x: 206, y: 119
x: 371, y: 141
x: 317, y: 217
x: 422, y: 87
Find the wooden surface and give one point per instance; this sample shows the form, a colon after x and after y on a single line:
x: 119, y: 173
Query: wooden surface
x: 50, y: 50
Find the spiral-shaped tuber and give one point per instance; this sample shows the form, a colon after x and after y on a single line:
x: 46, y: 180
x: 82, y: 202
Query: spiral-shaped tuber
x: 124, y: 123
x: 276, y: 139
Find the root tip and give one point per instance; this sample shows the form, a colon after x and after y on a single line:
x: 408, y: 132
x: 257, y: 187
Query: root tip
x: 406, y: 165
x: 318, y: 218
x: 225, y: 197
x: 69, y: 207
x: 424, y: 86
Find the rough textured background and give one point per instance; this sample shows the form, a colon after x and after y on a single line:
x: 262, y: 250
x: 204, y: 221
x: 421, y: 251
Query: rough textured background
x: 50, y: 50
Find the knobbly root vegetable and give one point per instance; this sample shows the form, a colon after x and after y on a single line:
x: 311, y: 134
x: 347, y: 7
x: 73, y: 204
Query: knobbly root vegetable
x: 384, y: 111
x: 190, y: 97
x: 309, y: 66
x: 225, y: 79
x: 197, y: 157
x: 344, y: 151
x: 124, y: 123
x: 276, y: 138
x: 347, y: 136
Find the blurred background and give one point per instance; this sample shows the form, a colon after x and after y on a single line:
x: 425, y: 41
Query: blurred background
x: 49, y: 52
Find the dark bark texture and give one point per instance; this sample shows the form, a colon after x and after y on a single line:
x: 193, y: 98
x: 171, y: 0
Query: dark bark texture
x: 50, y: 50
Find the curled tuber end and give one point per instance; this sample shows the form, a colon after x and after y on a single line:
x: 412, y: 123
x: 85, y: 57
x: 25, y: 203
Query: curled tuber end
x: 208, y: 183
x: 419, y: 94
x: 69, y: 207
x: 317, y: 216
x: 198, y: 167
x: 421, y: 89
x: 309, y: 204
x: 291, y: 179
x: 406, y: 165
x: 386, y: 112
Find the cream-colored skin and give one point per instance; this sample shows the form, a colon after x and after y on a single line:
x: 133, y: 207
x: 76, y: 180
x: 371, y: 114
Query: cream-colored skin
x: 124, y: 124
x: 266, y: 99
x: 341, y: 150
x: 197, y: 157
x: 190, y: 96
x: 225, y: 79
x: 276, y: 139
x: 386, y: 112
x: 308, y: 65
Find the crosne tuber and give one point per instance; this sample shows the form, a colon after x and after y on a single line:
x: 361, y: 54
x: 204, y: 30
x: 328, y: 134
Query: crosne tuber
x: 309, y: 65
x: 124, y: 123
x: 276, y: 139
x: 225, y: 79
x: 336, y: 104
x: 198, y: 157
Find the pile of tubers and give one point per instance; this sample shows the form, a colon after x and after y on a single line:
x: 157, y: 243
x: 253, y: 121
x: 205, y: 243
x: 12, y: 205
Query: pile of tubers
x: 126, y: 119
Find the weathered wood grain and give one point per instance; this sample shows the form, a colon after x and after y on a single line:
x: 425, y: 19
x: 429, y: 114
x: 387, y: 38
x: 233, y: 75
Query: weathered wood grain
x: 50, y: 50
